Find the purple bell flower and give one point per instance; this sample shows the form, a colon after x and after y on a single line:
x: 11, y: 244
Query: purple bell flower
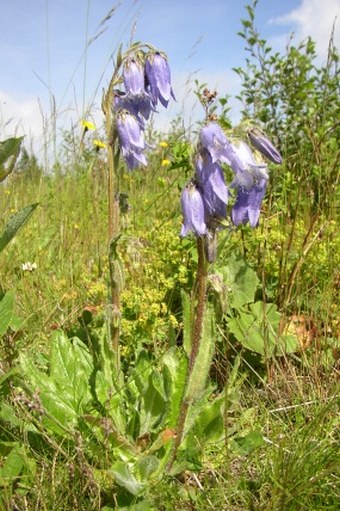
x: 133, y: 76
x: 247, y: 171
x: 193, y: 211
x: 212, y: 183
x: 158, y: 79
x: 248, y: 204
x: 138, y: 105
x: 264, y: 145
x: 215, y: 142
x: 131, y: 139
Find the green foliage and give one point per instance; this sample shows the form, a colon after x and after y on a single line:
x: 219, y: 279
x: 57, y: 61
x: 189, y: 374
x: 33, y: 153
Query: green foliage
x: 297, y: 100
x: 9, y: 152
x: 131, y: 418
x: 255, y: 324
x: 6, y: 311
x: 15, y: 223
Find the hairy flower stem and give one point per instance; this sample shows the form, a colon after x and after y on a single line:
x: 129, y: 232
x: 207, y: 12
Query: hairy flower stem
x: 196, y: 334
x: 201, y: 286
x: 113, y: 217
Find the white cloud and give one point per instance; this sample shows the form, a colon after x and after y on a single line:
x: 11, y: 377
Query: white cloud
x: 315, y: 18
x: 20, y: 117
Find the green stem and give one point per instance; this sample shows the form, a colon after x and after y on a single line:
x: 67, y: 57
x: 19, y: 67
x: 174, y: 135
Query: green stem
x: 113, y: 214
x: 200, y: 293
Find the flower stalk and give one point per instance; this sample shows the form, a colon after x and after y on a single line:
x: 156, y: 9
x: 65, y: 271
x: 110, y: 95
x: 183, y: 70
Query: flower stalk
x: 145, y: 75
x: 113, y: 213
x: 199, y: 296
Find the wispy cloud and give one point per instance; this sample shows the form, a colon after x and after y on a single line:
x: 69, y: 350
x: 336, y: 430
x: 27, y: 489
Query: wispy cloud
x: 314, y: 18
x: 19, y: 117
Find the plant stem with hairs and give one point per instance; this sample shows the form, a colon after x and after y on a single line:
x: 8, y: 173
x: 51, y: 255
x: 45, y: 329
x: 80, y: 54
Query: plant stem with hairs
x: 113, y: 209
x: 199, y: 295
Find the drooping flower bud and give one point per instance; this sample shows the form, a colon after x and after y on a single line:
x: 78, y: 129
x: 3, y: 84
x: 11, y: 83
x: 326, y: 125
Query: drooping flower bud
x: 193, y: 211
x: 158, y: 79
x: 264, y: 145
x: 133, y: 76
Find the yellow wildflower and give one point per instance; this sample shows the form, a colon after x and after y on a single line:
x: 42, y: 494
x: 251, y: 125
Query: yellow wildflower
x: 165, y: 163
x: 99, y: 144
x: 87, y: 125
x: 163, y: 144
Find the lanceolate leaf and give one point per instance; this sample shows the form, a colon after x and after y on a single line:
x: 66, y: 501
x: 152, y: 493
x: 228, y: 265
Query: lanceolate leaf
x: 64, y: 391
x: 14, y: 224
x: 198, y: 377
x: 187, y: 323
x: 9, y: 148
x: 122, y: 473
x: 6, y: 311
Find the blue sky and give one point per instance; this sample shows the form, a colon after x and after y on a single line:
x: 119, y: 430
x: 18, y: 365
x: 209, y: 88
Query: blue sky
x: 44, y: 50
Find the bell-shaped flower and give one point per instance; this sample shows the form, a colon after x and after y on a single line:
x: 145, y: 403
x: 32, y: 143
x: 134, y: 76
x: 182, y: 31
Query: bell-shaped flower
x: 248, y: 204
x: 264, y: 145
x: 193, y: 211
x: 133, y: 76
x: 131, y: 139
x: 212, y: 183
x: 158, y: 79
x: 247, y: 170
x: 215, y: 142
x: 138, y: 105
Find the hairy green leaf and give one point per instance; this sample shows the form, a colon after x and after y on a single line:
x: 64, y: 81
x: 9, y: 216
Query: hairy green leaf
x: 14, y: 224
x: 6, y: 311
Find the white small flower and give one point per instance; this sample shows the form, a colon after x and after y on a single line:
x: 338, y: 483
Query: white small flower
x: 29, y: 266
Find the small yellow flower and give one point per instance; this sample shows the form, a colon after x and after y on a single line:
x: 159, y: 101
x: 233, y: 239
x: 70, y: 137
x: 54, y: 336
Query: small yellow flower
x: 163, y: 144
x: 87, y: 125
x: 165, y: 163
x: 8, y: 192
x: 99, y: 144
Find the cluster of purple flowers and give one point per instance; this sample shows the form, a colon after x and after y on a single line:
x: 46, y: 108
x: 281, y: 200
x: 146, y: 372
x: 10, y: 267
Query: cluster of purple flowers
x: 204, y: 200
x: 147, y: 83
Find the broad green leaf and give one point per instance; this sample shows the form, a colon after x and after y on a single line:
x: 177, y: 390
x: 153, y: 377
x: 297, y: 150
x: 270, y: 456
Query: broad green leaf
x: 201, y: 368
x: 240, y: 281
x: 70, y: 368
x: 250, y: 330
x: 209, y: 425
x: 9, y: 149
x: 258, y: 330
x: 152, y: 408
x: 7, y: 374
x: 247, y: 444
x: 13, y: 465
x: 7, y: 414
x: 14, y: 224
x: 6, y: 311
x: 174, y: 373
x: 65, y: 391
x: 147, y: 466
x: 122, y: 474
